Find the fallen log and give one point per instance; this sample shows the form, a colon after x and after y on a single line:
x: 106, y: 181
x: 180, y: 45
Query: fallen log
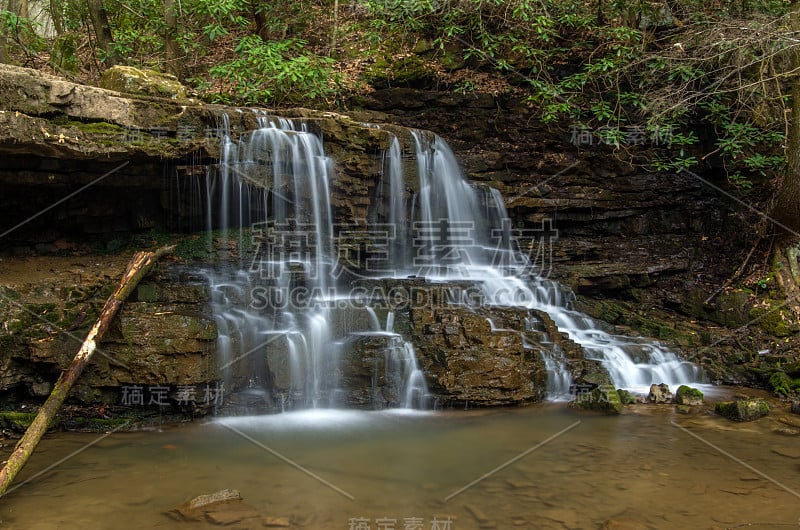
x: 138, y: 267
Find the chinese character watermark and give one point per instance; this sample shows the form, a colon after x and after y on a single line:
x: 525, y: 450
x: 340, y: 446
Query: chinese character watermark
x: 582, y: 136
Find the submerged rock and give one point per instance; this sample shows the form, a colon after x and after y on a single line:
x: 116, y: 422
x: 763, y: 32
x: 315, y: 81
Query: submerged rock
x: 276, y: 522
x: 687, y: 395
x: 743, y: 410
x: 223, y: 507
x: 225, y: 495
x: 623, y: 524
x: 659, y: 394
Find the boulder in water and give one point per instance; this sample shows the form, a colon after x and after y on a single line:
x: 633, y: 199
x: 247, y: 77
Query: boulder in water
x: 743, y: 409
x: 659, y: 394
x: 626, y: 398
x: 687, y: 395
x: 603, y: 398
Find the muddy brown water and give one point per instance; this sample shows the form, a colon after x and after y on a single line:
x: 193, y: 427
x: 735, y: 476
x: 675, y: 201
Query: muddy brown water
x: 535, y: 467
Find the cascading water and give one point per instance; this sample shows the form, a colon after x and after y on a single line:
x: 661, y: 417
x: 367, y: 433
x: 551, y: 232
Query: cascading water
x: 479, y: 248
x: 277, y: 314
x: 277, y: 179
x: 293, y: 251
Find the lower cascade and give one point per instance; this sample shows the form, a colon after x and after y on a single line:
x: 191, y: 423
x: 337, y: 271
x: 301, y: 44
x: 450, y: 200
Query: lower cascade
x: 313, y: 311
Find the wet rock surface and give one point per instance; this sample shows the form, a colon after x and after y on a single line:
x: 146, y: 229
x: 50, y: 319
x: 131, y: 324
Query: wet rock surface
x: 659, y: 394
x: 743, y: 409
x: 686, y: 395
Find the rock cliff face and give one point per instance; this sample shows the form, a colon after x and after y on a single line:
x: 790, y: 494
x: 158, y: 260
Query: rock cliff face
x: 83, y: 166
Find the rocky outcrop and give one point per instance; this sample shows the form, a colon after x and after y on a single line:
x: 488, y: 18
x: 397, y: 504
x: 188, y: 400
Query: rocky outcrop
x: 159, y: 350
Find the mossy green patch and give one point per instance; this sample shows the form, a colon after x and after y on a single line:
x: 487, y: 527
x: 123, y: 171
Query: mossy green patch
x: 84, y: 424
x: 743, y: 410
x: 686, y: 395
x: 17, y: 421
x: 782, y: 384
x: 193, y: 248
x: 604, y: 398
x: 774, y: 319
x: 625, y: 397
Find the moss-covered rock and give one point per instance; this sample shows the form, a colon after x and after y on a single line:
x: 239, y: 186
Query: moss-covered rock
x: 625, y: 397
x: 743, y: 410
x: 409, y: 71
x: 16, y: 421
x: 686, y: 395
x: 775, y: 320
x: 140, y: 81
x: 604, y: 398
x: 782, y: 384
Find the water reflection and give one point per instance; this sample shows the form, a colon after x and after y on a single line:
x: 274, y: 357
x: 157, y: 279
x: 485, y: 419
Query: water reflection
x: 403, y: 465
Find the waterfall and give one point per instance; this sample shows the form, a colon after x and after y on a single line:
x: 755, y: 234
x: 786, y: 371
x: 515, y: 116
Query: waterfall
x: 479, y: 248
x: 283, y: 328
x: 280, y: 327
x: 275, y: 179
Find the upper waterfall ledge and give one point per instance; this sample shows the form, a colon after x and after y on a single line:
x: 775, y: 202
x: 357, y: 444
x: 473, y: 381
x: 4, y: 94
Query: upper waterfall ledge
x: 51, y: 116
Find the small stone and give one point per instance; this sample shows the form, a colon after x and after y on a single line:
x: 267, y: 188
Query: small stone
x: 659, y: 394
x: 41, y: 389
x: 202, y: 501
x: 623, y: 524
x: 785, y: 431
x: 276, y: 522
x: 683, y: 409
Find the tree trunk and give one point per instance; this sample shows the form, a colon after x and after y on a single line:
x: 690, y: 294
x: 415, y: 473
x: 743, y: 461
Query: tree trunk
x: 139, y: 266
x: 171, y: 48
x: 335, y: 30
x: 262, y: 29
x: 787, y: 204
x: 19, y: 7
x: 55, y: 15
x: 3, y: 39
x: 102, y: 29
